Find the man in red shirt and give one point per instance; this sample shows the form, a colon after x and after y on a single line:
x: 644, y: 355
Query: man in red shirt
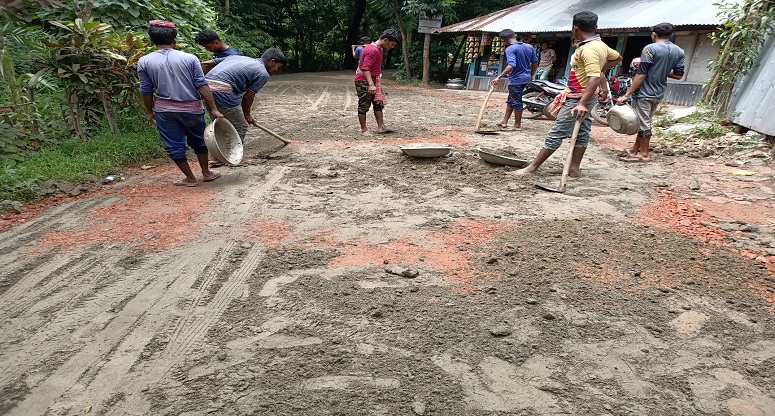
x: 368, y: 85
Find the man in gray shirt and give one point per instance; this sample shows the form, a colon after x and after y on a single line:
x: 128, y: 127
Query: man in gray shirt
x: 236, y: 79
x: 658, y: 61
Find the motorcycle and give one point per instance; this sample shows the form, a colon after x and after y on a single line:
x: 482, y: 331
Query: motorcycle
x: 538, y: 97
x: 617, y: 86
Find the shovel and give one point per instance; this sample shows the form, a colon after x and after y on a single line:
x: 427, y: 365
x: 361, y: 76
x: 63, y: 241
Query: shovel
x: 275, y: 135
x: 566, y: 167
x: 481, y: 113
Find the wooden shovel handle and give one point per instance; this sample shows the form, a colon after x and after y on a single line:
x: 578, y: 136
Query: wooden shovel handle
x: 566, y: 167
x: 271, y: 133
x: 484, y: 105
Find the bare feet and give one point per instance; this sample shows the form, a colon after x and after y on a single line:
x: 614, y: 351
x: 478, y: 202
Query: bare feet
x: 521, y: 172
x: 365, y: 133
x: 517, y: 128
x: 634, y: 159
x: 574, y: 173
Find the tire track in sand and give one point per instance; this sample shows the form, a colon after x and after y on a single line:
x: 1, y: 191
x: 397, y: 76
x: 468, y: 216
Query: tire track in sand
x: 114, y: 349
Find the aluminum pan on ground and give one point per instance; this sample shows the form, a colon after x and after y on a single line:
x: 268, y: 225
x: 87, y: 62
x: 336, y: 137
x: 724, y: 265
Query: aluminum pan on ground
x: 426, y: 149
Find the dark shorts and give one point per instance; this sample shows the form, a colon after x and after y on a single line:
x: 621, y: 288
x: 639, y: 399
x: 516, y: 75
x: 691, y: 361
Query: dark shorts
x: 177, y: 129
x: 365, y: 100
x: 515, y: 97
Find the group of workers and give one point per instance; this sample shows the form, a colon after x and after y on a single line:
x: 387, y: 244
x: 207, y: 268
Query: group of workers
x: 591, y: 60
x: 174, y: 83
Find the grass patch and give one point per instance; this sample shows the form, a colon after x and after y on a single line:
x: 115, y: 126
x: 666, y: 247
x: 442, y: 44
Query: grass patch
x: 71, y: 159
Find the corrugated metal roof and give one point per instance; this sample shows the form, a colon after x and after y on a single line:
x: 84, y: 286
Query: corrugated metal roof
x: 556, y: 15
x: 750, y: 99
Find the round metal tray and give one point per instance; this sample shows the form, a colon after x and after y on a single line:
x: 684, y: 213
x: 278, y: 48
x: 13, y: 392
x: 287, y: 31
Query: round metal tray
x: 426, y: 150
x: 490, y: 156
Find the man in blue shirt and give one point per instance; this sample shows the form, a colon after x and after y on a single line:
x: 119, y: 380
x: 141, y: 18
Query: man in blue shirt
x: 358, y: 49
x: 521, y: 65
x: 213, y: 43
x: 235, y: 81
x: 179, y: 85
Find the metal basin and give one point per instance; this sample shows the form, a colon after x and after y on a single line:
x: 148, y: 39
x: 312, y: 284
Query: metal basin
x: 426, y: 150
x: 491, y: 156
x: 622, y: 119
x: 223, y: 142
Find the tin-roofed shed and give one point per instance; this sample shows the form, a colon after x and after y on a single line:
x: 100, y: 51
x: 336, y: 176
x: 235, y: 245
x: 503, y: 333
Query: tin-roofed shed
x: 623, y: 24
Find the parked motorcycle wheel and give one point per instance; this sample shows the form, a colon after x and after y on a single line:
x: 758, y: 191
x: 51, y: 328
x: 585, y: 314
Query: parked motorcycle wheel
x: 600, y: 111
x: 530, y: 110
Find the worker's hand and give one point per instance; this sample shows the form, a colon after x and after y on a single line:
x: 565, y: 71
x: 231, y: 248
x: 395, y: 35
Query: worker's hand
x: 216, y: 114
x: 604, y: 95
x: 580, y: 111
x: 372, y: 89
x: 622, y: 100
x: 494, y: 82
x: 250, y: 120
x: 151, y: 117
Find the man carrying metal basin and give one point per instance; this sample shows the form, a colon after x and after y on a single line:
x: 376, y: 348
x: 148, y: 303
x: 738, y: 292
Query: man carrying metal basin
x: 235, y: 81
x: 658, y: 61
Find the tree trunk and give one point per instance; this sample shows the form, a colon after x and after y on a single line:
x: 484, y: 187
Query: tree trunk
x: 107, y: 104
x: 426, y: 60
x: 352, y: 32
x: 404, y: 41
x: 226, y: 7
x: 73, y: 108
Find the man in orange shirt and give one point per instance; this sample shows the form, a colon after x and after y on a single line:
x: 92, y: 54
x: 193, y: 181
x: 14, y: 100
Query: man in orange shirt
x: 589, y: 63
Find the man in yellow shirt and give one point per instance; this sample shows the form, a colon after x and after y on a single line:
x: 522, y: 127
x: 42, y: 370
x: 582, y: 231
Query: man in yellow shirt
x: 589, y: 63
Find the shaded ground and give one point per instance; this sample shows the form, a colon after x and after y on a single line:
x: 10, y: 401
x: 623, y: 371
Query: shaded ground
x: 265, y: 292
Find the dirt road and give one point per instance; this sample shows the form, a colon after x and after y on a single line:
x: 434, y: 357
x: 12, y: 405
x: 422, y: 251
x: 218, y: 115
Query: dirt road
x: 266, y: 291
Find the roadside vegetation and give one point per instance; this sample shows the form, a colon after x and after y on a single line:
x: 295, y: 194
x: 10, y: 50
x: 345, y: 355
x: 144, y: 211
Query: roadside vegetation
x: 703, y: 133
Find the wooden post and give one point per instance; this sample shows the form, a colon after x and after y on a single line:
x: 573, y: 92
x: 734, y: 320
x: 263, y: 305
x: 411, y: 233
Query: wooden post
x: 426, y: 60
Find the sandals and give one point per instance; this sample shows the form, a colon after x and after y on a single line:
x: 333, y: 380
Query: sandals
x: 506, y: 128
x: 183, y: 182
x: 214, y: 174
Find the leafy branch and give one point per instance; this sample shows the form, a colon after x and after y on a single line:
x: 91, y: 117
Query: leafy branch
x: 747, y: 25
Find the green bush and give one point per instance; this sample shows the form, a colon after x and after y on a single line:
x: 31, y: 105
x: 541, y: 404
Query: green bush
x: 73, y: 158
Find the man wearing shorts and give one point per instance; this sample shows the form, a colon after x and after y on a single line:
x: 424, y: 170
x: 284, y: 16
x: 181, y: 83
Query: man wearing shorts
x: 368, y: 85
x: 658, y: 61
x: 235, y: 81
x: 588, y: 64
x: 521, y: 64
x: 178, y: 83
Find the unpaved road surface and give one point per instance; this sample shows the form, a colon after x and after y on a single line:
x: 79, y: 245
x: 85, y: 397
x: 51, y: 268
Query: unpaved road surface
x: 266, y: 291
